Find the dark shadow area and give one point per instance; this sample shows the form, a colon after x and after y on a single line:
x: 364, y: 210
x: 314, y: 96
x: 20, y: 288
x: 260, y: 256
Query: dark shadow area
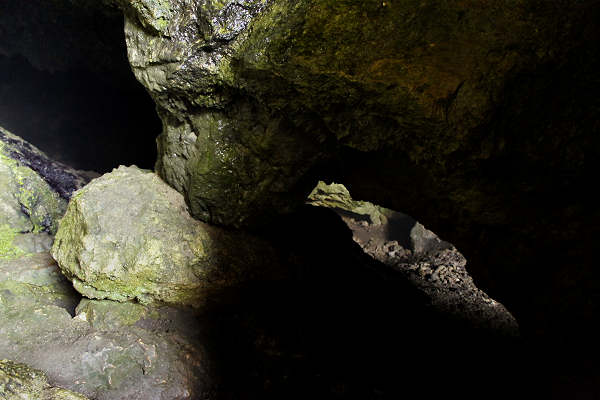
x: 344, y: 326
x: 398, y: 228
x: 66, y: 85
x: 78, y: 117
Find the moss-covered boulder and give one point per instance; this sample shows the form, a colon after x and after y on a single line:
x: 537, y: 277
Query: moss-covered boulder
x: 20, y: 382
x: 128, y: 235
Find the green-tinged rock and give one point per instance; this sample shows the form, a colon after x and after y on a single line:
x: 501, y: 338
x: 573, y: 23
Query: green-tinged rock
x: 20, y: 382
x: 103, y: 314
x: 105, y: 350
x: 255, y: 94
x: 33, y: 189
x: 7, y: 247
x: 477, y: 117
x: 128, y: 236
x: 27, y: 202
x: 337, y: 197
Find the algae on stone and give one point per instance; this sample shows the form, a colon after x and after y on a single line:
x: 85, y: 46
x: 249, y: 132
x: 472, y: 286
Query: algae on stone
x: 337, y: 197
x: 34, y: 190
x: 20, y: 382
x: 128, y: 236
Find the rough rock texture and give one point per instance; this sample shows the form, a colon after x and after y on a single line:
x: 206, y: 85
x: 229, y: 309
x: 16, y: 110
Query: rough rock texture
x: 105, y: 350
x: 430, y: 264
x: 20, y: 382
x: 231, y: 157
x: 128, y: 235
x: 476, y: 117
x: 337, y: 197
x: 34, y: 191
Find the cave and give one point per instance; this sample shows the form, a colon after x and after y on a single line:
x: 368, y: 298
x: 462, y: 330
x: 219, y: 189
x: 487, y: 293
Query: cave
x: 66, y: 86
x: 249, y: 199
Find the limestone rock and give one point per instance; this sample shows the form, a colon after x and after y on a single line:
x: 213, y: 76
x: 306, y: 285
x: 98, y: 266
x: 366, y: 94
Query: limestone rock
x: 127, y: 235
x: 102, y: 349
x: 28, y: 203
x: 479, y: 118
x: 254, y: 94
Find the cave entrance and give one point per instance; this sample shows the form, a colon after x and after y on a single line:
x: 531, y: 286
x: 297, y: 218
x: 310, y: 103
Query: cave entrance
x: 66, y: 85
x: 403, y: 247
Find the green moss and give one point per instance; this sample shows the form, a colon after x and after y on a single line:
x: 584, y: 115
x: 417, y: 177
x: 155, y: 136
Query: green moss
x: 337, y: 197
x: 42, y: 205
x: 153, y: 14
x: 7, y: 249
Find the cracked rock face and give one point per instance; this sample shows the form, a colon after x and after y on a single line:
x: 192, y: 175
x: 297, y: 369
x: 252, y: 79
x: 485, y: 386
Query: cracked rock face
x: 129, y: 236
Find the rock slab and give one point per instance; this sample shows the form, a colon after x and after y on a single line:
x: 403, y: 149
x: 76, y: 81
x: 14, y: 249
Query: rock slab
x: 102, y: 349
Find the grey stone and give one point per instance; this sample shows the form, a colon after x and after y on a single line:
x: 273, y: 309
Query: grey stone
x: 103, y: 350
x: 129, y: 236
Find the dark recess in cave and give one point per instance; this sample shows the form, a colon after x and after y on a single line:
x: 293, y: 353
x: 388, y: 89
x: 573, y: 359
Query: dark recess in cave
x: 69, y: 90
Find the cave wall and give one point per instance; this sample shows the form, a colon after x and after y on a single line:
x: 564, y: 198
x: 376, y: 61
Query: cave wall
x: 476, y: 118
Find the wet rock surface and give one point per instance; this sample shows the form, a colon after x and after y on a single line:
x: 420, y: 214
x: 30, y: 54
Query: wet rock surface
x: 479, y: 119
x: 61, y: 178
x: 129, y: 236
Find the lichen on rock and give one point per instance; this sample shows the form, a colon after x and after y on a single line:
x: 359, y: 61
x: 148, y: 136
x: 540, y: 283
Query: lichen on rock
x: 129, y: 236
x: 20, y: 382
x: 28, y: 203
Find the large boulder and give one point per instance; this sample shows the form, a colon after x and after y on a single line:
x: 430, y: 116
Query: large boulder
x: 479, y: 119
x: 253, y: 94
x: 129, y: 236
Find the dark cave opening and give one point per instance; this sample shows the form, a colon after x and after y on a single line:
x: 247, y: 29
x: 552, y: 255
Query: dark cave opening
x: 66, y: 87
